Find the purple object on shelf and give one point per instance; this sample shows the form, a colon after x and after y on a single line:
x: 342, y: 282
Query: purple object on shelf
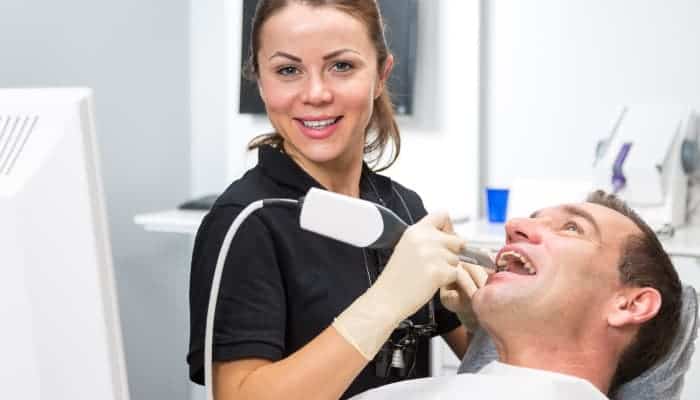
x: 618, y: 178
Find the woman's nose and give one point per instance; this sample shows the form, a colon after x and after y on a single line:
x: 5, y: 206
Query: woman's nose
x: 524, y: 230
x: 317, y: 91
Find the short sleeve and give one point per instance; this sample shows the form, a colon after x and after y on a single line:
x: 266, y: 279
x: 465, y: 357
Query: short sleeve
x: 446, y: 320
x: 251, y: 312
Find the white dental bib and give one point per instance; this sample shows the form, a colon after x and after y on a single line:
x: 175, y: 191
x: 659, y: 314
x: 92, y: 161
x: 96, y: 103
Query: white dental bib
x: 496, y: 381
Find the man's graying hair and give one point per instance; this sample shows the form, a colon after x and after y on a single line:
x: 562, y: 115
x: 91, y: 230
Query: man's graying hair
x: 644, y: 263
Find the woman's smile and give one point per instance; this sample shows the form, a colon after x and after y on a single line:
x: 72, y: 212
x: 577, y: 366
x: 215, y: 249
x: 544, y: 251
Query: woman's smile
x: 318, y: 127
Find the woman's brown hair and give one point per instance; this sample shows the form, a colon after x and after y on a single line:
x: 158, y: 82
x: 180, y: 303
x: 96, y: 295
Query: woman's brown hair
x: 382, y: 130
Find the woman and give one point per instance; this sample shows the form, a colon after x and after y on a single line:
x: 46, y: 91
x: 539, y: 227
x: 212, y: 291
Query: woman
x: 321, y: 68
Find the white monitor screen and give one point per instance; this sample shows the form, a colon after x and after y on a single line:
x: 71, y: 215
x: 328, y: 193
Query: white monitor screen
x: 60, y: 336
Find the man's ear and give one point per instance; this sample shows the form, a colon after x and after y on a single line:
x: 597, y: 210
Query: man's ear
x: 634, y: 306
x: 384, y: 76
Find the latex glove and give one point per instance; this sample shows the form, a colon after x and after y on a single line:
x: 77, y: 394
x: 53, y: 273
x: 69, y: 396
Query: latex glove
x: 457, y: 296
x: 424, y: 260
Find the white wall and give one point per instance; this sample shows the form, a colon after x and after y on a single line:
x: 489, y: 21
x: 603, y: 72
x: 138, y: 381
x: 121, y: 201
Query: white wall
x: 441, y: 136
x: 134, y: 54
x: 219, y: 132
x: 557, y: 71
x: 440, y: 142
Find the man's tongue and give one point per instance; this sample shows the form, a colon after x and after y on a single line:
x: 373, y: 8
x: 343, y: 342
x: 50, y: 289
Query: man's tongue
x: 518, y: 267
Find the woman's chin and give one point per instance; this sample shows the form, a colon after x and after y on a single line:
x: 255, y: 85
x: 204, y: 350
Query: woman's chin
x: 321, y: 152
x: 321, y: 157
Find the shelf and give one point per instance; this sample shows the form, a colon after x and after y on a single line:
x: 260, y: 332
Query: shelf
x: 684, y: 243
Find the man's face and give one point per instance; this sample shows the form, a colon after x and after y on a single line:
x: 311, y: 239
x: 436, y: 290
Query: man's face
x: 558, y: 270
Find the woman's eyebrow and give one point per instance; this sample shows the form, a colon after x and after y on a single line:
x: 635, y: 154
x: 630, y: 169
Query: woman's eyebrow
x: 285, y: 55
x: 338, y: 52
x: 328, y: 56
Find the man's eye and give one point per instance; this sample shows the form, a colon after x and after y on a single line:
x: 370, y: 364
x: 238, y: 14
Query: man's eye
x: 572, y: 227
x: 342, y: 66
x: 288, y: 71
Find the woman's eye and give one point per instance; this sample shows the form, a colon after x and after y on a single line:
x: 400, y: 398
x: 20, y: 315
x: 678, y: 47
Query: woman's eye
x: 288, y: 71
x: 342, y: 66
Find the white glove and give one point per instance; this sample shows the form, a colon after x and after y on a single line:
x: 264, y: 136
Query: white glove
x: 457, y: 296
x: 424, y: 260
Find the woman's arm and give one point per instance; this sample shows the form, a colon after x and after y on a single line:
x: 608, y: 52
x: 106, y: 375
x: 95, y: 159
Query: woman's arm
x: 322, y: 369
x: 423, y: 261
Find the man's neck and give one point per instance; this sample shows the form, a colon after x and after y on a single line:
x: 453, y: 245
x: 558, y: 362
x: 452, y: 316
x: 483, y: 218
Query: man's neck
x: 587, y: 360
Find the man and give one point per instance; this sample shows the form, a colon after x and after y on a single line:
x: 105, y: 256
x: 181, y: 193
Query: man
x: 584, y: 298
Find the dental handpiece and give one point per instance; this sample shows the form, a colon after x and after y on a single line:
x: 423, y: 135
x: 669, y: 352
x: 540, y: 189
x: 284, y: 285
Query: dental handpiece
x: 477, y: 257
x: 363, y: 224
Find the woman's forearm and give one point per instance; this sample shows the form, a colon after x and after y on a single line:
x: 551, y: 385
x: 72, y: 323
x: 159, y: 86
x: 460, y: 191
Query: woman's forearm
x: 323, y: 369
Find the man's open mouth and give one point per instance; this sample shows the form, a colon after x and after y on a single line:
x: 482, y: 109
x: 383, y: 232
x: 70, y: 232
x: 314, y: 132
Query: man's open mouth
x: 514, y: 262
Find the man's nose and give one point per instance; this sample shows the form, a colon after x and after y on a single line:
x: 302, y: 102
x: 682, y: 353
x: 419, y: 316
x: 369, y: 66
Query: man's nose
x: 524, y: 229
x: 317, y: 91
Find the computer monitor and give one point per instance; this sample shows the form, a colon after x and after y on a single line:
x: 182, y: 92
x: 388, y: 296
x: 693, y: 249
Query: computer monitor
x: 60, y: 336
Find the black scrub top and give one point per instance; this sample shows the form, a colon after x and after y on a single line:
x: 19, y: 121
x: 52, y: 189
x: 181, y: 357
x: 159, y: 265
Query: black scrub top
x: 282, y: 286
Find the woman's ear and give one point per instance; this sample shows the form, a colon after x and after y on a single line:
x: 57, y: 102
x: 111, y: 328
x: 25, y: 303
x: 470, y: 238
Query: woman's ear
x: 384, y: 76
x: 260, y: 91
x: 634, y: 306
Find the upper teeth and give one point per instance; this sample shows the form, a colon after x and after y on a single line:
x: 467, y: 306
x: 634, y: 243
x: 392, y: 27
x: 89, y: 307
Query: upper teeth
x: 503, y: 261
x: 319, y: 124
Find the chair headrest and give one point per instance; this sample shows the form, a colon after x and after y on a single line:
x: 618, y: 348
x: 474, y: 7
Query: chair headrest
x: 666, y: 377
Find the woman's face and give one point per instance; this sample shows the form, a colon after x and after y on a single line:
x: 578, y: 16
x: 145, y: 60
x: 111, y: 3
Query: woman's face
x: 318, y: 78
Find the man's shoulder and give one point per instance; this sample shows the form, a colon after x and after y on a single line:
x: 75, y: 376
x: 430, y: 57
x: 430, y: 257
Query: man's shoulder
x: 548, y: 384
x: 484, y: 386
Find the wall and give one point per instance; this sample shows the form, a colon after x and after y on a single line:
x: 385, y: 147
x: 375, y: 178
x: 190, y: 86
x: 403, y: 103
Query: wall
x: 219, y: 132
x: 442, y: 137
x: 557, y: 73
x: 440, y: 142
x: 135, y: 55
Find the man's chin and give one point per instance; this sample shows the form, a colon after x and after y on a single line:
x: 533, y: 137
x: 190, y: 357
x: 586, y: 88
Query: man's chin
x: 503, y: 294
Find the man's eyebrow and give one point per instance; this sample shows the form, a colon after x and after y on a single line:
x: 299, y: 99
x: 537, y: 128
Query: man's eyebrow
x: 535, y: 214
x: 580, y: 212
x: 285, y: 55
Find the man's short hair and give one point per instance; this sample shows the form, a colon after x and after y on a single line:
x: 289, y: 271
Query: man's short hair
x: 644, y: 263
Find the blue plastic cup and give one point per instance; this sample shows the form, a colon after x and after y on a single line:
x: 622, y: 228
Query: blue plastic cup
x: 497, y: 202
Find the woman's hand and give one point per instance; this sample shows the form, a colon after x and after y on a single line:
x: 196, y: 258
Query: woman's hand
x: 424, y: 260
x: 457, y: 296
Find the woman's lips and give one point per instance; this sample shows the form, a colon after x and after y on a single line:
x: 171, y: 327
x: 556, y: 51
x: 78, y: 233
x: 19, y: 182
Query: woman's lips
x: 318, y: 128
